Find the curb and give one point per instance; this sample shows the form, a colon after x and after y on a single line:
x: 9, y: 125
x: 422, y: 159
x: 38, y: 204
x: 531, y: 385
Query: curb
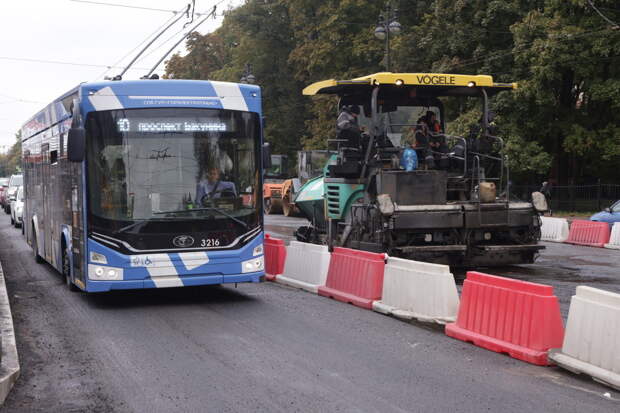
x: 9, y: 368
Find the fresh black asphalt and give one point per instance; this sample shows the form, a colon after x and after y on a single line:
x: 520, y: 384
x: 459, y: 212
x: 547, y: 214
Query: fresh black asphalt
x: 266, y: 347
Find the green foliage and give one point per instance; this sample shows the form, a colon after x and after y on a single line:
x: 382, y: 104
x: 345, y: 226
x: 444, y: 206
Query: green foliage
x: 461, y: 125
x: 10, y: 162
x: 526, y: 159
x: 562, y: 122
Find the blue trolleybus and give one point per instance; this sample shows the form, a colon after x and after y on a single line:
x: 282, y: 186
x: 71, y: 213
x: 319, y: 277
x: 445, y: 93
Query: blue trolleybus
x: 147, y: 184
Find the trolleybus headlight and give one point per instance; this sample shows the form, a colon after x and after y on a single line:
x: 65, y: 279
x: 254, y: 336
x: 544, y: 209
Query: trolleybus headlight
x: 102, y: 273
x: 399, y: 82
x: 253, y: 265
x: 98, y: 258
x: 258, y: 250
x: 471, y: 84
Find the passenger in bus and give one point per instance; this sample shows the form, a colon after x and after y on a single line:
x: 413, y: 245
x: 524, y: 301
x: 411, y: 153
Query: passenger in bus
x: 213, y: 187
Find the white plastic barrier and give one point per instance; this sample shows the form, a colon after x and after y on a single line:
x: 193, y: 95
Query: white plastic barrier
x: 592, y: 338
x: 554, y: 229
x: 420, y: 290
x: 614, y: 240
x: 306, y: 266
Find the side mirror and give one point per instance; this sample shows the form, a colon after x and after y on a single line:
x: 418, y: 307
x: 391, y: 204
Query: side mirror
x: 266, y: 155
x: 76, y: 144
x: 607, y: 210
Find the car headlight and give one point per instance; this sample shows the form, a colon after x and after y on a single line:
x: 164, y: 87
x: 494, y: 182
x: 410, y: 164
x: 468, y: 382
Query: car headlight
x: 253, y: 265
x: 103, y: 273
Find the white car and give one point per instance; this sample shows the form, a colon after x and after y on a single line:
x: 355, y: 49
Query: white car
x: 17, y: 207
x: 14, y: 183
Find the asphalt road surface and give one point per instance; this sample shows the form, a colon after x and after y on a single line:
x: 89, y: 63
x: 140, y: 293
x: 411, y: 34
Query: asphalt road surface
x: 266, y: 347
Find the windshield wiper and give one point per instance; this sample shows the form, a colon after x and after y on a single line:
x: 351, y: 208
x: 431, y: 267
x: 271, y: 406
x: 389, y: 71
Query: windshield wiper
x: 138, y: 224
x: 221, y: 211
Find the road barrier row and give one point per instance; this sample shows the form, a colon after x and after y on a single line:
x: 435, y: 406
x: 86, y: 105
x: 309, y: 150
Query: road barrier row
x: 589, y: 233
x: 592, y: 337
x: 614, y: 239
x: 354, y: 277
x: 418, y: 290
x: 554, y: 229
x: 275, y: 256
x: 509, y: 316
x: 581, y: 232
x: 500, y: 314
x: 306, y: 266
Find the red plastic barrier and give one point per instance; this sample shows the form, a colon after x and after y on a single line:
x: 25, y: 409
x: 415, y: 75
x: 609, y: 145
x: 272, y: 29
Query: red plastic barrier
x: 509, y: 316
x: 591, y: 233
x: 275, y: 255
x: 354, y: 277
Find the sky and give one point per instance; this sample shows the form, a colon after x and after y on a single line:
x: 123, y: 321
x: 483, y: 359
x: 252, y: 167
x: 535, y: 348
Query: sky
x: 89, y: 36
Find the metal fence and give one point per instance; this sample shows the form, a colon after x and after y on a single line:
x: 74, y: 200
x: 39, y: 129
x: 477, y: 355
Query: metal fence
x: 578, y: 198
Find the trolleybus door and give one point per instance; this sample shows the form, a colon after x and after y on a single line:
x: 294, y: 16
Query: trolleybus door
x: 45, y: 227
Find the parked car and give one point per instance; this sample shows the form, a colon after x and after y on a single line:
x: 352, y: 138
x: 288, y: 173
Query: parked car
x: 4, y: 184
x: 15, y: 182
x: 17, y: 207
x: 610, y: 215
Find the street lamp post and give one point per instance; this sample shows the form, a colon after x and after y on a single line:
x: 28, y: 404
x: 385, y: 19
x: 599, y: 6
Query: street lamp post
x: 247, y: 76
x: 388, y: 25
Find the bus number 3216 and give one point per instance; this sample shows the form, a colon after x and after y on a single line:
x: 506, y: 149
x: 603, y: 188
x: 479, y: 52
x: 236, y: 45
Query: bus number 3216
x: 210, y: 242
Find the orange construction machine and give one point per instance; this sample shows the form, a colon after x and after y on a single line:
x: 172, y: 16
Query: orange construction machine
x: 279, y: 188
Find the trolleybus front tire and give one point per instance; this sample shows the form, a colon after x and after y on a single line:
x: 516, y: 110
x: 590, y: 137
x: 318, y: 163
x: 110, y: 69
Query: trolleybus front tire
x: 66, y: 270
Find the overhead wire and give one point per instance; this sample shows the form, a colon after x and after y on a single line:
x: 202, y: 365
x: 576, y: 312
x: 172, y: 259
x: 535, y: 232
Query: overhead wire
x: 142, y: 58
x: 128, y: 6
x: 159, y: 46
x: 140, y: 44
x: 57, y: 62
x: 15, y: 99
x: 186, y: 35
x: 614, y: 24
x: 120, y: 75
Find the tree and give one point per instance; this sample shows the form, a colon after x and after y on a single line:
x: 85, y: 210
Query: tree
x: 563, y: 119
x: 569, y: 98
x: 10, y: 162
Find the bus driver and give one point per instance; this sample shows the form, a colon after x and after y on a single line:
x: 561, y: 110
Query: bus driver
x: 213, y: 187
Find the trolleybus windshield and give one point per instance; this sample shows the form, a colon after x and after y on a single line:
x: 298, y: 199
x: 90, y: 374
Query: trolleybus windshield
x: 157, y: 170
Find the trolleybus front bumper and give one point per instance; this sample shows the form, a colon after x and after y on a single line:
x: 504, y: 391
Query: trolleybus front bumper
x: 107, y: 269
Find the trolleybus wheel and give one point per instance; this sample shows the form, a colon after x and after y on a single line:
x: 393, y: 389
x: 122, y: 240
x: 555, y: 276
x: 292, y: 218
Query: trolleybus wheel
x: 66, y: 269
x: 35, y: 249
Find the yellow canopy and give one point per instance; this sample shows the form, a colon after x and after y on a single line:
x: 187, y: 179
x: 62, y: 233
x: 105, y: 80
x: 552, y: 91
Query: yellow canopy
x: 441, y: 80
